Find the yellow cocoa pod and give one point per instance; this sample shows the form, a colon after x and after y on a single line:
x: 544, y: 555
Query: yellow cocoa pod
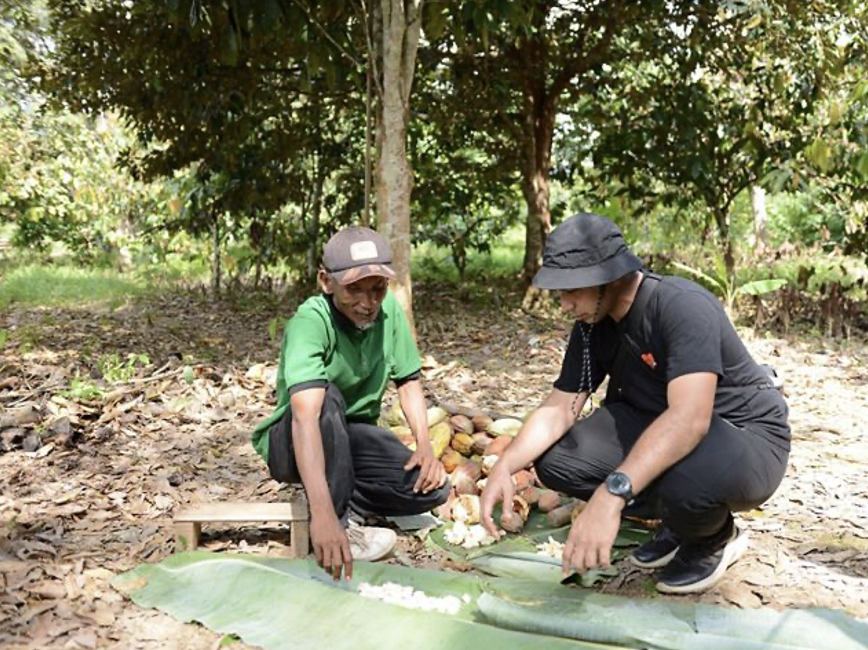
x: 441, y: 435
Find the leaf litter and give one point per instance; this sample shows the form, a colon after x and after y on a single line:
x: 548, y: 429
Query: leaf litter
x: 92, y: 471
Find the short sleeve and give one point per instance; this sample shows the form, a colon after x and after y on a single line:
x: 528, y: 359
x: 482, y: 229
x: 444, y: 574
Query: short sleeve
x: 572, y: 377
x: 691, y: 327
x: 305, y: 345
x: 405, y: 355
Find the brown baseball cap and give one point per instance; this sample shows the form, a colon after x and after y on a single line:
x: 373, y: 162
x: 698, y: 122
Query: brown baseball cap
x: 355, y: 253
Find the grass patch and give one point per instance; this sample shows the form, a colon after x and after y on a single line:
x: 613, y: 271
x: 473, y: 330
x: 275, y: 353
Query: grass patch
x: 435, y: 263
x: 48, y: 286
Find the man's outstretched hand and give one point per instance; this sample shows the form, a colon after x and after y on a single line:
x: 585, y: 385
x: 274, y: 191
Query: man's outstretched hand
x: 593, y: 533
x: 498, y: 487
x: 331, y: 546
x: 432, y: 475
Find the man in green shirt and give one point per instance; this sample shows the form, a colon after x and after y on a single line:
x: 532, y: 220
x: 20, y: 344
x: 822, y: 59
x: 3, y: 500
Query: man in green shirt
x: 338, y: 353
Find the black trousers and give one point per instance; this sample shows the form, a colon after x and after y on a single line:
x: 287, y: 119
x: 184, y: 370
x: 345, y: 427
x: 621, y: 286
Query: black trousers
x: 731, y: 469
x: 364, y: 464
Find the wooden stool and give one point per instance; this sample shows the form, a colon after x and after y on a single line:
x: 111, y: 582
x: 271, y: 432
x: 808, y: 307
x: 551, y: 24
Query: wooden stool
x: 188, y: 522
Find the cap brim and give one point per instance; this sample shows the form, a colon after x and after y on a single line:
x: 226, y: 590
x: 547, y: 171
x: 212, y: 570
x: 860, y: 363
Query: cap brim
x: 591, y: 276
x: 357, y: 273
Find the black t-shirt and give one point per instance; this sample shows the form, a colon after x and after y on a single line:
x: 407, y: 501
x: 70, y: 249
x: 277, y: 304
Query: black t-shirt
x: 683, y: 330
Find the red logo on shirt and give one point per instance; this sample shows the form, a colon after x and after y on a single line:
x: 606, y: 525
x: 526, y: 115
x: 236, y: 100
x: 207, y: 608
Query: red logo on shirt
x: 648, y: 358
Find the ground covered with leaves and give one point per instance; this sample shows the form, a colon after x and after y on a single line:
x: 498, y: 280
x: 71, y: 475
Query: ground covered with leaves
x: 111, y: 420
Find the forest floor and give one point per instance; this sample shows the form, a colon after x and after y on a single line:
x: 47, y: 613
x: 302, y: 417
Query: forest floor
x: 89, y: 482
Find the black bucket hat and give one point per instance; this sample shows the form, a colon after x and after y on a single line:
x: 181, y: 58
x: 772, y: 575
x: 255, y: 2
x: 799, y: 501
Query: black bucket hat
x: 586, y: 250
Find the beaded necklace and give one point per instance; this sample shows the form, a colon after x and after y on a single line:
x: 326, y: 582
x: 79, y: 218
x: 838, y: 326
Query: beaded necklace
x: 585, y: 381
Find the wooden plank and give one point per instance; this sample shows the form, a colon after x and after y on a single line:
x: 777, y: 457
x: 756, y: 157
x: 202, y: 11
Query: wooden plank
x: 245, y: 512
x: 299, y: 539
x: 187, y: 535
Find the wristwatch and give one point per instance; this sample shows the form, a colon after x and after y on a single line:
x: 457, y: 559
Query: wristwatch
x: 618, y: 483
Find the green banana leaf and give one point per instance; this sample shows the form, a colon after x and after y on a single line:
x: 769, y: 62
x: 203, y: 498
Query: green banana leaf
x: 294, y: 605
x: 581, y: 614
x: 536, y: 531
x: 535, y: 566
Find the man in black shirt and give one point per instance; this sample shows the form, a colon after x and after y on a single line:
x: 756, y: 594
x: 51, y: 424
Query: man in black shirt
x: 692, y: 428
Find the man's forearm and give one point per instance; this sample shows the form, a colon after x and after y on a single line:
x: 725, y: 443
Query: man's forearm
x: 546, y: 425
x: 310, y: 459
x: 412, y: 402
x: 671, y: 437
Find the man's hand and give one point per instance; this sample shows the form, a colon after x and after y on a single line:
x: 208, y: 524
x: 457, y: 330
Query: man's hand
x: 432, y: 475
x: 331, y: 546
x: 593, y: 532
x: 498, y: 487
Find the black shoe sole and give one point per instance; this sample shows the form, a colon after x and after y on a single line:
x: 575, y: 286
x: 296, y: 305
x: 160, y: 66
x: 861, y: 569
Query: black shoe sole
x: 654, y: 564
x: 734, y: 551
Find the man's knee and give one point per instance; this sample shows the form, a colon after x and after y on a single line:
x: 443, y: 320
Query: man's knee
x: 566, y: 473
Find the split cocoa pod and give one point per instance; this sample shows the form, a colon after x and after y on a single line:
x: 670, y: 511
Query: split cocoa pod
x: 512, y: 519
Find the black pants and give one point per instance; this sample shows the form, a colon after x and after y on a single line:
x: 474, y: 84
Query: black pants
x: 364, y: 464
x: 731, y: 469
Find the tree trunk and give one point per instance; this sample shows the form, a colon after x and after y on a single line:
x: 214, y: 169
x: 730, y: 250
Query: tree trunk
x: 401, y: 27
x: 313, y: 224
x: 538, y: 122
x: 216, y: 267
x: 760, y: 219
x: 721, y: 217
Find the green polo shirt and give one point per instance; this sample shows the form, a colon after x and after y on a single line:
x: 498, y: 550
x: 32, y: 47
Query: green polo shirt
x: 321, y: 345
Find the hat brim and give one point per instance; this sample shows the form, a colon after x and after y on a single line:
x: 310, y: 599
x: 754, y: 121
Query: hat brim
x: 348, y: 276
x: 590, y: 276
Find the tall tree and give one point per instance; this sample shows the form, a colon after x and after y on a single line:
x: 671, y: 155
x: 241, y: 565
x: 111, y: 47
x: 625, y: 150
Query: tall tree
x: 728, y: 105
x: 516, y: 67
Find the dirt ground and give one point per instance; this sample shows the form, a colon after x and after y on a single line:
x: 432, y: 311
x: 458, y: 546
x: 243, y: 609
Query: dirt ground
x: 88, y: 483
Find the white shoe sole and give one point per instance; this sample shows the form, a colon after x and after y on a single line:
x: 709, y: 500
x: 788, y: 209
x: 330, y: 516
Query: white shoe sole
x: 731, y: 555
x: 656, y: 564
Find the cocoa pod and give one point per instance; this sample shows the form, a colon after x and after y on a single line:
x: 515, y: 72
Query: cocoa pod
x: 462, y: 443
x: 461, y: 424
x: 511, y: 521
x: 522, y: 479
x: 451, y: 459
x: 561, y: 515
x: 480, y: 443
x: 531, y: 495
x: 548, y: 500
x: 465, y: 476
x: 481, y: 423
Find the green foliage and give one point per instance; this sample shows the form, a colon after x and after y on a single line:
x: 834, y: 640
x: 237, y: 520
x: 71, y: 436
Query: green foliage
x: 82, y: 390
x: 116, y: 370
x: 728, y: 288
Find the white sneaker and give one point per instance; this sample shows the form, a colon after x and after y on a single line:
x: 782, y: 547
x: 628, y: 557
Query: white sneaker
x: 369, y: 543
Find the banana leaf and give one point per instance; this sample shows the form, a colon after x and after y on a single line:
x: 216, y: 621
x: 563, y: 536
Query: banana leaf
x: 535, y: 566
x: 294, y: 605
x: 536, y: 531
x: 581, y: 614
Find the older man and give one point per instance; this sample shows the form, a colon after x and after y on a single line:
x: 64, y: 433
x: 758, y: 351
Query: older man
x: 338, y: 354
x: 692, y: 428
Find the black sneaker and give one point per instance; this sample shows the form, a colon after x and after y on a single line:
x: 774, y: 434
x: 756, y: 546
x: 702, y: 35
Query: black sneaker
x: 699, y: 566
x: 657, y: 551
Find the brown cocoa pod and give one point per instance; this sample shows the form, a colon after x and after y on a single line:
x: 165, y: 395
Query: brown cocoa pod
x: 480, y: 443
x: 511, y: 521
x: 481, y: 423
x: 522, y: 479
x: 561, y: 515
x: 531, y: 495
x: 548, y: 500
x: 465, y: 476
x: 461, y: 424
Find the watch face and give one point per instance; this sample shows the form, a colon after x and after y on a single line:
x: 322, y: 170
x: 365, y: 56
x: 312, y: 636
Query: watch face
x: 618, y: 484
